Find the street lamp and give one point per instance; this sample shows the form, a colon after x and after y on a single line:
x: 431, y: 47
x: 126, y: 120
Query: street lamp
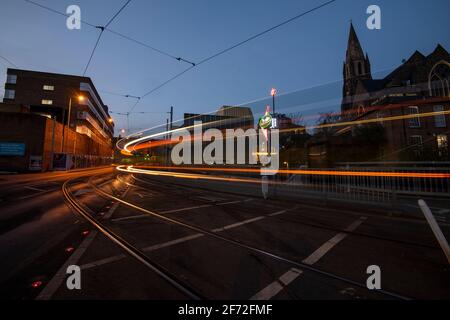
x: 273, y: 93
x: 80, y: 98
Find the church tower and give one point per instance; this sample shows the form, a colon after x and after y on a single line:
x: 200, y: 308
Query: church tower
x: 356, y: 67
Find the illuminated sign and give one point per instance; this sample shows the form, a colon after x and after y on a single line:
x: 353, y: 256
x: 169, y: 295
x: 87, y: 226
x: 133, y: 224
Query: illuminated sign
x: 266, y: 120
x: 12, y: 149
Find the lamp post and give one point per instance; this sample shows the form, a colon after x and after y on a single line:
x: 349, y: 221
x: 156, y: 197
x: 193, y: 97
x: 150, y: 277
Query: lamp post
x: 273, y: 93
x: 80, y: 99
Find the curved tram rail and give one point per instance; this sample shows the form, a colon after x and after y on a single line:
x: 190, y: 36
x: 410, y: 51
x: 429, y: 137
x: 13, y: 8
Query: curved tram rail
x: 137, y: 254
x: 129, y: 248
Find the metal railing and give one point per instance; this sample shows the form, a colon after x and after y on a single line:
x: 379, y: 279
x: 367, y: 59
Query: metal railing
x: 374, y: 185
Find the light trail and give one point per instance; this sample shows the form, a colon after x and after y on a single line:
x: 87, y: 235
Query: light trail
x: 294, y: 172
x: 330, y: 125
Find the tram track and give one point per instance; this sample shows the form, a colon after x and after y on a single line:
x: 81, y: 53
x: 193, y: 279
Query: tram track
x: 125, y: 245
x: 237, y: 243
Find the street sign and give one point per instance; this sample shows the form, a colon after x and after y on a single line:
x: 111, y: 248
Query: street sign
x: 12, y: 149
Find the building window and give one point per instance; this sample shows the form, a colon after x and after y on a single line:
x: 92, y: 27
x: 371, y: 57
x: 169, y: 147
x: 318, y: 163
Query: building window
x: 49, y: 88
x: 439, y: 119
x: 442, y: 142
x: 415, y: 121
x: 11, y: 79
x: 10, y: 94
x: 47, y: 102
x: 415, y: 141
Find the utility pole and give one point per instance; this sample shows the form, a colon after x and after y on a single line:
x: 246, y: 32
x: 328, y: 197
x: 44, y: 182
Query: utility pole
x: 171, y: 120
x: 167, y: 143
x: 170, y: 130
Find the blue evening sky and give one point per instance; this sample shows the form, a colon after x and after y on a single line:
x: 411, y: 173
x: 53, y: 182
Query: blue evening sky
x: 306, y: 53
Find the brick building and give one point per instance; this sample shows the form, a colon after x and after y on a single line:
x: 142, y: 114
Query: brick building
x: 402, y: 117
x: 64, y: 113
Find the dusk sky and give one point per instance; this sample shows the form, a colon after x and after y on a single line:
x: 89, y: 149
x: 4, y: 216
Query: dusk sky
x: 306, y: 53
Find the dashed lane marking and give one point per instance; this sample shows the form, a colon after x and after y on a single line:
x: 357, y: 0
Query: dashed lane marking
x: 277, y: 286
x: 183, y: 239
x: 54, y: 284
x: 34, y: 189
x: 140, y: 216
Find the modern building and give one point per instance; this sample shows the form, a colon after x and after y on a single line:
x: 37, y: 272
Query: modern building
x: 57, y: 96
x: 73, y: 117
x: 402, y: 117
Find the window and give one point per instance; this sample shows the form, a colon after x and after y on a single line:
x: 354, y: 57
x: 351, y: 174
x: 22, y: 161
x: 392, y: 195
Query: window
x: 11, y: 79
x: 416, y: 144
x: 49, y: 88
x: 47, y: 102
x: 415, y: 141
x: 439, y: 119
x: 442, y: 142
x: 10, y: 94
x: 414, y: 122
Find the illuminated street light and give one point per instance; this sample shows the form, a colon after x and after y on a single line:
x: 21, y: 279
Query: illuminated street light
x: 273, y: 93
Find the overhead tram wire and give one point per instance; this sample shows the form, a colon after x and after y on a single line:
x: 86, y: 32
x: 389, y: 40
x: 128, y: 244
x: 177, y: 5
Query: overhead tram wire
x: 9, y: 61
x: 102, y: 29
x: 117, y: 14
x: 236, y: 46
x: 93, y: 51
x: 143, y: 44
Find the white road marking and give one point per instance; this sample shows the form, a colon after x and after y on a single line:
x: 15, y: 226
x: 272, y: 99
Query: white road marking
x: 330, y: 244
x: 36, y: 195
x: 140, y: 216
x: 277, y: 213
x: 180, y: 240
x: 277, y: 286
x: 34, y: 189
x: 113, y: 209
x: 186, y: 209
x: 60, y: 276
x: 82, y: 192
x: 173, y: 242
x: 238, y: 224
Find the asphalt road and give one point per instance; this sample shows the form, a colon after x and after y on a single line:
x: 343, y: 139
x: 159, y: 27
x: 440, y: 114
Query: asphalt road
x: 40, y: 236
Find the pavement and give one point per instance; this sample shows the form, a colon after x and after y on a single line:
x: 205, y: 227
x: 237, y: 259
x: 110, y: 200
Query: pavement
x: 41, y: 236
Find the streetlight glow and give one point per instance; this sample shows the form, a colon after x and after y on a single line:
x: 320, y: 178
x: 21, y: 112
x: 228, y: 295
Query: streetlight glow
x: 273, y: 92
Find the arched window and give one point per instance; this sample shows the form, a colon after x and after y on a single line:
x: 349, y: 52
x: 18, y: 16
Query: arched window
x: 360, y: 71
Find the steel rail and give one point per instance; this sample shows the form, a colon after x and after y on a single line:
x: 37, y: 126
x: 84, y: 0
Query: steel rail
x: 130, y: 249
x: 243, y: 245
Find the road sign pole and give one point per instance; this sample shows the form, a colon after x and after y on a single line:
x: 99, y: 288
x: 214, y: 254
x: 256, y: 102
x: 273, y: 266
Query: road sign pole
x: 436, y: 229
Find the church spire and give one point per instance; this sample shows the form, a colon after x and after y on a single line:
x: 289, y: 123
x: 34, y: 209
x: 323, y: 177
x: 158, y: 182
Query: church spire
x: 354, y: 49
x: 356, y: 68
